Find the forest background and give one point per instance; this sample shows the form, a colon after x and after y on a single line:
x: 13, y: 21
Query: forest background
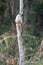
x: 32, y: 28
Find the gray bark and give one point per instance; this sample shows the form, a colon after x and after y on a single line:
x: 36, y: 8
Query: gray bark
x: 21, y: 7
x: 19, y: 21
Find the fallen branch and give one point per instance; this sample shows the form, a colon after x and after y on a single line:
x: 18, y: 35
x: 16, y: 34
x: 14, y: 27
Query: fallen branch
x: 15, y: 36
x: 6, y: 37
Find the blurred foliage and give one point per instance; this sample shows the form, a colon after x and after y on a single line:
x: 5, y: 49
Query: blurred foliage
x: 31, y: 44
x: 34, y: 63
x: 35, y: 17
x: 5, y: 26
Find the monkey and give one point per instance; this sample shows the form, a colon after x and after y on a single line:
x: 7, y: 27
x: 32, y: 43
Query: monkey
x: 19, y: 21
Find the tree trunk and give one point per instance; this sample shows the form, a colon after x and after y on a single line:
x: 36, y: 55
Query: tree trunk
x: 21, y: 52
x: 19, y: 21
x: 12, y: 12
x: 25, y: 16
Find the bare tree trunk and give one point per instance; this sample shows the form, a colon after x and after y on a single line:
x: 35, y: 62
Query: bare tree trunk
x: 19, y: 21
x: 28, y: 4
x: 19, y: 37
x: 25, y: 16
x: 12, y: 12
